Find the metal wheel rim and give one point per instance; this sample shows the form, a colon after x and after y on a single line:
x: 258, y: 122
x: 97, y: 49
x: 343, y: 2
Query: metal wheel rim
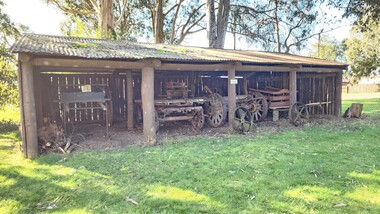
x: 242, y: 120
x: 298, y: 114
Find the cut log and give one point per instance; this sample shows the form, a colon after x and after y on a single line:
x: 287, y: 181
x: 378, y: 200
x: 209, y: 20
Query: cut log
x: 354, y: 111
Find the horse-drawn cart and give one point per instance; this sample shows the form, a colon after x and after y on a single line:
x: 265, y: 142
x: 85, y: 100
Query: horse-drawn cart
x: 176, y: 106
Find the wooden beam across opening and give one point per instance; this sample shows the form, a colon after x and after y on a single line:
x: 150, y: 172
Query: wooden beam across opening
x: 158, y: 65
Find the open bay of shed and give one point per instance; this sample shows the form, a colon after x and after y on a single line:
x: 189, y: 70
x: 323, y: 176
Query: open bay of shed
x: 135, y: 71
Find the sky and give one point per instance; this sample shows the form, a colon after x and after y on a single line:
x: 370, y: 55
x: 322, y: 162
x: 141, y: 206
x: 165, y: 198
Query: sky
x: 44, y: 19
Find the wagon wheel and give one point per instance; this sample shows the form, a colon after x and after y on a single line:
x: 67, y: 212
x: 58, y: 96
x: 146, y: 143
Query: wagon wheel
x: 259, y: 107
x: 216, y: 110
x: 243, y: 121
x: 298, y: 114
x: 198, y: 120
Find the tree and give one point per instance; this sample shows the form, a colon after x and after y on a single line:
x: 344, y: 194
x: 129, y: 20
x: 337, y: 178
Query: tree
x: 113, y: 19
x: 9, y: 31
x: 276, y: 25
x: 364, y: 10
x: 328, y: 48
x: 165, y: 21
x: 172, y: 21
x: 217, y: 26
x: 363, y: 50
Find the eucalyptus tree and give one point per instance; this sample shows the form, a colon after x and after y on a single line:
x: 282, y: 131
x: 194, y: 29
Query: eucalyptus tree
x: 276, y: 25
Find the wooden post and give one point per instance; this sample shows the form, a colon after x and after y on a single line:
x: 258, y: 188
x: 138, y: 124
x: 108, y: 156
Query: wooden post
x: 338, y: 94
x: 130, y: 114
x: 29, y: 108
x: 147, y: 97
x: 231, y: 96
x: 293, y: 86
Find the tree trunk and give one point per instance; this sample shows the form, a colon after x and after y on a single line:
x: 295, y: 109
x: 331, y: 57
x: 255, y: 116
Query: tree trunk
x: 222, y: 22
x: 105, y: 15
x: 211, y: 23
x: 174, y: 21
x: 277, y: 27
x: 159, y: 36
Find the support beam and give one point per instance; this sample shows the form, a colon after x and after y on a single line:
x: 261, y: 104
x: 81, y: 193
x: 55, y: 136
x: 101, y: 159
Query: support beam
x: 147, y: 97
x: 338, y: 94
x: 29, y: 110
x: 130, y: 113
x: 293, y: 86
x: 231, y: 96
x: 163, y: 66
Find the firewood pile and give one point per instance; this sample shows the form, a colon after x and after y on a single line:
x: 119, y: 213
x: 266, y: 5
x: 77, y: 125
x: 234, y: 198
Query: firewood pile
x: 52, y: 138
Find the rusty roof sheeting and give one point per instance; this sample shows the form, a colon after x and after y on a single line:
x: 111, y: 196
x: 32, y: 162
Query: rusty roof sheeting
x: 119, y: 49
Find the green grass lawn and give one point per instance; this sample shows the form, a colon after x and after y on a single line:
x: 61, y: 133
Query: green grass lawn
x: 324, y: 168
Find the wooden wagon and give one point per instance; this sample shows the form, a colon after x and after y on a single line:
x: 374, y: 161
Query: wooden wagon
x: 176, y: 105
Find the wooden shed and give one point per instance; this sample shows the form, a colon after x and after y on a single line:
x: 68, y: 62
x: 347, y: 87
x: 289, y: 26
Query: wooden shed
x: 133, y: 74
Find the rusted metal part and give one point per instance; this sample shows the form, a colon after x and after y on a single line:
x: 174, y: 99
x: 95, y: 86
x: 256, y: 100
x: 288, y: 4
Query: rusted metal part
x: 243, y: 120
x: 298, y: 114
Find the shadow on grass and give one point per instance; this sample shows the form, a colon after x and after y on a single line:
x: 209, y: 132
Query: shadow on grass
x: 303, y: 171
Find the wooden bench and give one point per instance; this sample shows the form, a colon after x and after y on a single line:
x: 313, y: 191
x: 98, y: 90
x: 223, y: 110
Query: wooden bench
x: 278, y: 100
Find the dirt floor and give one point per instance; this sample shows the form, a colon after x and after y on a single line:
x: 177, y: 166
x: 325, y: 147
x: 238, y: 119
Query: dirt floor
x: 171, y: 132
x: 119, y: 137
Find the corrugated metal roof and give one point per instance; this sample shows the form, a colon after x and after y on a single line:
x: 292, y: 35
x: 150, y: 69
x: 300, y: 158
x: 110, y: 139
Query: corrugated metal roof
x: 117, y: 49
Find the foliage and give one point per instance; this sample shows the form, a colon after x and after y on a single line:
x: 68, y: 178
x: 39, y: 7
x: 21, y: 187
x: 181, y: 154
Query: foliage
x: 364, y: 11
x: 9, y: 119
x: 82, y: 18
x: 8, y: 126
x: 134, y: 19
x: 328, y: 48
x: 363, y: 50
x: 326, y: 168
x: 276, y: 25
x: 8, y: 77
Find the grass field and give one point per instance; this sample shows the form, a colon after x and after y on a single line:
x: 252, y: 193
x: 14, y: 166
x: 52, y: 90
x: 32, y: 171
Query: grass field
x: 325, y: 168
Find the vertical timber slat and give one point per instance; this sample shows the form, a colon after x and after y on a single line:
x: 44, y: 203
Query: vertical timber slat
x: 293, y: 86
x: 130, y: 113
x: 231, y: 97
x: 338, y: 94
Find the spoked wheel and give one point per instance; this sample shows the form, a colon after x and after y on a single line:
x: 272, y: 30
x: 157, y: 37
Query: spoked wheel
x: 298, y: 114
x: 243, y: 121
x: 198, y: 120
x: 259, y: 107
x: 216, y: 110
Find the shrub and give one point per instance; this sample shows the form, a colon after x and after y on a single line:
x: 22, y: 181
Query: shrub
x: 8, y: 125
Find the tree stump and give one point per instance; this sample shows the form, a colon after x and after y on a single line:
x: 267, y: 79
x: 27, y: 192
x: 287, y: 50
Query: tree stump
x: 354, y: 111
